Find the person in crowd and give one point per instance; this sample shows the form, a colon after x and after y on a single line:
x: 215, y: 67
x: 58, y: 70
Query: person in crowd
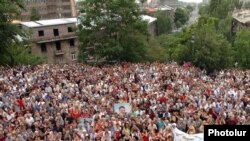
x: 75, y: 101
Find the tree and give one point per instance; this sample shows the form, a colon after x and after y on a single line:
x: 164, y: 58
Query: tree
x: 209, y: 49
x: 246, y: 5
x: 222, y: 8
x: 171, y: 43
x: 164, y: 23
x: 156, y: 52
x: 18, y: 54
x: 13, y: 47
x: 242, y: 48
x: 9, y: 10
x: 34, y: 14
x: 190, y: 8
x: 113, y: 29
x: 181, y: 17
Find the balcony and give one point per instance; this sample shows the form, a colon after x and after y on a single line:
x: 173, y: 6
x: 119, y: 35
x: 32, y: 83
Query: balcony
x: 58, y: 52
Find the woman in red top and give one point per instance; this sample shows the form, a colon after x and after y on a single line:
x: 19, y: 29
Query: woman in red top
x: 76, y: 112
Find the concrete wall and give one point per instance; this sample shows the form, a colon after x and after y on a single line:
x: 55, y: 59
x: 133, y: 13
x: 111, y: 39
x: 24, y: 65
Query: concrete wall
x: 152, y: 28
x: 52, y: 55
x: 50, y: 9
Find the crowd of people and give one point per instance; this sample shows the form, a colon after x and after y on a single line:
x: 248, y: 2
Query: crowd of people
x: 76, y: 102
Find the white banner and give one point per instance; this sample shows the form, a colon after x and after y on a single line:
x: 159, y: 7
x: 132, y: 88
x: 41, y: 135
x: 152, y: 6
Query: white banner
x: 182, y: 136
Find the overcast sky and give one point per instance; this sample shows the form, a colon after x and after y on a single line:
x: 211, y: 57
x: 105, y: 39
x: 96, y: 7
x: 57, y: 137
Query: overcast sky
x: 191, y: 0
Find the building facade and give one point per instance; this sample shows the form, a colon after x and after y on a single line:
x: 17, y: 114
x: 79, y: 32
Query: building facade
x: 50, y: 9
x: 152, y: 24
x: 54, y: 39
x: 241, y: 19
x: 172, y: 3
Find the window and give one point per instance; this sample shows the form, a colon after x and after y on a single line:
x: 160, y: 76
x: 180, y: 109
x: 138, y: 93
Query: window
x: 72, y: 43
x: 40, y: 33
x: 73, y: 56
x: 58, y: 46
x: 70, y: 29
x: 56, y: 32
x: 43, y: 47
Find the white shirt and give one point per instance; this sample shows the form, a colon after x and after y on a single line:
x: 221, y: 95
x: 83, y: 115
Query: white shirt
x: 29, y: 121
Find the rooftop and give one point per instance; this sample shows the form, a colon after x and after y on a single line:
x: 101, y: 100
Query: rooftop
x: 149, y: 19
x: 161, y: 8
x: 42, y: 23
x: 242, y: 16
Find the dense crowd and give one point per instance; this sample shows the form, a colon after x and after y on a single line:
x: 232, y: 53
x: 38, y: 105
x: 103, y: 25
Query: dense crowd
x: 75, y: 102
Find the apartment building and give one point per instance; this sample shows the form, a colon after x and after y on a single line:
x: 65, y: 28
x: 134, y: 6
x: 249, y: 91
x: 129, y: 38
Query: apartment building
x: 50, y: 9
x: 241, y: 19
x: 54, y: 39
x: 152, y: 24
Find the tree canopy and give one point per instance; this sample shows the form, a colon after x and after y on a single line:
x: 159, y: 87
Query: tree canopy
x: 199, y: 44
x: 164, y: 23
x: 9, y: 11
x: 13, y: 40
x: 113, y: 29
x: 242, y: 48
x: 181, y: 17
x: 34, y: 14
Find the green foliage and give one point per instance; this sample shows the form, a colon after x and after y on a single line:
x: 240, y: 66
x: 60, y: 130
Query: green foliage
x: 189, y: 9
x: 222, y: 8
x: 209, y: 49
x: 164, y: 23
x: 18, y: 54
x: 181, y: 17
x: 34, y: 14
x: 224, y: 27
x: 242, y: 48
x: 171, y: 43
x: 246, y: 5
x: 203, y: 10
x: 9, y: 10
x: 156, y: 52
x: 114, y: 29
x: 13, y: 50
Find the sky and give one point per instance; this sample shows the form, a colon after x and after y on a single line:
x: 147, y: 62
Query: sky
x: 197, y: 1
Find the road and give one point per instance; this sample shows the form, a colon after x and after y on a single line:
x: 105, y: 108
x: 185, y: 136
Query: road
x: 194, y: 16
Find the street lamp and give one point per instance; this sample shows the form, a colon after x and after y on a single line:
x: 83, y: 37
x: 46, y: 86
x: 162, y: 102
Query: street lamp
x: 192, y: 41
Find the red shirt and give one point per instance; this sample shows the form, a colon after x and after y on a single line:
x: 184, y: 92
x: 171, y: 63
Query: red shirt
x: 182, y: 98
x: 145, y: 137
x: 76, y: 114
x: 117, y: 135
x: 20, y: 102
x: 163, y: 99
x: 2, y: 138
x: 209, y: 91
